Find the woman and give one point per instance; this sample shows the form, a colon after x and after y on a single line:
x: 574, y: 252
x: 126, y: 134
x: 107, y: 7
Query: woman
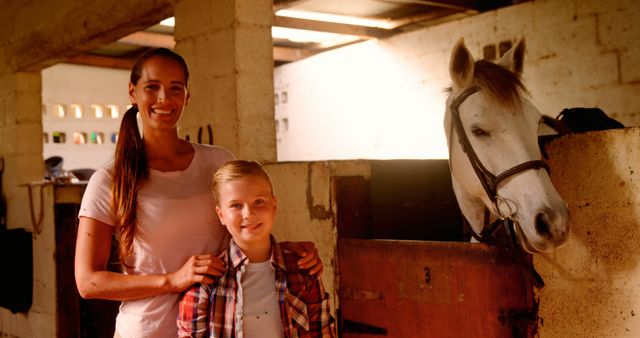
x: 155, y: 198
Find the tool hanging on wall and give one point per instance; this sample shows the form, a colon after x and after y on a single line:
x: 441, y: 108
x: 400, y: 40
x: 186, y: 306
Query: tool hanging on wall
x: 209, y: 131
x: 37, y: 224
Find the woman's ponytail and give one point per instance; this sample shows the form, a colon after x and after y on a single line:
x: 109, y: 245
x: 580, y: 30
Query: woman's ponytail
x: 130, y: 171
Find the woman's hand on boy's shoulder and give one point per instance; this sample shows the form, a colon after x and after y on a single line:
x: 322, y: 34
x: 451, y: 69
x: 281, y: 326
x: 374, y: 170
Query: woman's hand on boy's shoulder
x: 310, y: 260
x: 197, y: 269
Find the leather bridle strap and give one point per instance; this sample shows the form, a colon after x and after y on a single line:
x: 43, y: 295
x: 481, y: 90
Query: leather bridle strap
x: 488, y: 180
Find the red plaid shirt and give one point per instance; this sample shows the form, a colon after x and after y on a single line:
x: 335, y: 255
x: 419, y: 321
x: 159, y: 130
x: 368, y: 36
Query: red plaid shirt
x: 210, y: 310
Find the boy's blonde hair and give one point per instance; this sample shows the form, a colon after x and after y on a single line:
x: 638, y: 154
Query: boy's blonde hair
x: 235, y: 170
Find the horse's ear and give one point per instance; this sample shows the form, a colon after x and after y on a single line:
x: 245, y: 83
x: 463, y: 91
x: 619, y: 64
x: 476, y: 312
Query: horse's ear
x: 461, y: 65
x: 513, y: 59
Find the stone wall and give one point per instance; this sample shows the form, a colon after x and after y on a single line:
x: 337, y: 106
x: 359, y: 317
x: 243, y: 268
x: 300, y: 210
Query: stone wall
x: 593, y: 283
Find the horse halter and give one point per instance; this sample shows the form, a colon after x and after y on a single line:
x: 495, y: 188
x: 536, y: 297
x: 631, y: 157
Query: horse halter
x: 488, y: 180
x: 490, y: 183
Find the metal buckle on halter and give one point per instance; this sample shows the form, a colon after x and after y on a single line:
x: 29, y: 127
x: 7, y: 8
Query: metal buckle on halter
x: 498, y: 201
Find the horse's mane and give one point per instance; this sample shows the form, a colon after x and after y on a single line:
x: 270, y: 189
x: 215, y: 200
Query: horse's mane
x: 502, y: 85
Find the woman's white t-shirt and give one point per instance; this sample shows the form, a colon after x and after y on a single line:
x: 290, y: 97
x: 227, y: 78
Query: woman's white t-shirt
x: 176, y: 219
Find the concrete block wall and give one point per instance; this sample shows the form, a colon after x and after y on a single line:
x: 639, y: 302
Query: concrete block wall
x: 228, y: 46
x: 21, y: 135
x: 21, y: 149
x: 593, y: 283
x: 307, y: 208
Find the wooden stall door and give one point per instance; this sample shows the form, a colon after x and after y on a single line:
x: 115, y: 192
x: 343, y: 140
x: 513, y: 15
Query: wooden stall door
x: 432, y: 289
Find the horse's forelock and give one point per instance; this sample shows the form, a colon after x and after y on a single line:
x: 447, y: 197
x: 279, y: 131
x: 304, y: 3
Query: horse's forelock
x: 502, y: 85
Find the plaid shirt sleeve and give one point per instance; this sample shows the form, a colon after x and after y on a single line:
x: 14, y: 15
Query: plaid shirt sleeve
x: 193, y: 315
x: 321, y: 323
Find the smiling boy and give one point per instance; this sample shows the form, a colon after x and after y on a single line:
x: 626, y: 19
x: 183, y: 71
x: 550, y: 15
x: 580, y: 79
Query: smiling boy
x: 263, y: 292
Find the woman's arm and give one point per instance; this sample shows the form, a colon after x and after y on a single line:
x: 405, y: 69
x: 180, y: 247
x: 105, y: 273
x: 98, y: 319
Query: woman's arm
x: 93, y: 246
x: 309, y: 253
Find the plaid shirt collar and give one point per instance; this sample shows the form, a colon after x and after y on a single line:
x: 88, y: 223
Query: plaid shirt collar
x: 238, y: 258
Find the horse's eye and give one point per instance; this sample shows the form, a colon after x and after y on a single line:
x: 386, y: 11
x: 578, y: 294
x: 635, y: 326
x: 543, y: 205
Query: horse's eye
x: 477, y: 131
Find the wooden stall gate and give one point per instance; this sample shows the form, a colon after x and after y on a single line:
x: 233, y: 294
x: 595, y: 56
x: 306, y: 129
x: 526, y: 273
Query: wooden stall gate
x: 399, y: 288
x: 418, y: 281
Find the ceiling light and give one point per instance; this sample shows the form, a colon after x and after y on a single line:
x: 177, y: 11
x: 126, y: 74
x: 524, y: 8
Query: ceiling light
x: 306, y: 36
x: 169, y: 22
x: 351, y: 20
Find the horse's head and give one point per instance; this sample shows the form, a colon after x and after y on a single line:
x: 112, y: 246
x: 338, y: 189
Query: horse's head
x: 488, y: 101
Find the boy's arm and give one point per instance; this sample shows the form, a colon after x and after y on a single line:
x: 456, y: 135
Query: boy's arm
x: 193, y: 313
x: 321, y: 323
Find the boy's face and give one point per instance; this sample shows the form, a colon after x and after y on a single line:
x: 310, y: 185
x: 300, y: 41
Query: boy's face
x: 247, y: 208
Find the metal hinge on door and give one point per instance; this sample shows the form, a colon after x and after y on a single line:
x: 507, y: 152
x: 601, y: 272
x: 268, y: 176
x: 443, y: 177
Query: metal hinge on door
x: 352, y: 326
x: 523, y: 323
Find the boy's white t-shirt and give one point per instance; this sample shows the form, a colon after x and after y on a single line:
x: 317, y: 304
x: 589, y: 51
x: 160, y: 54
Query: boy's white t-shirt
x: 259, y: 309
x: 176, y: 219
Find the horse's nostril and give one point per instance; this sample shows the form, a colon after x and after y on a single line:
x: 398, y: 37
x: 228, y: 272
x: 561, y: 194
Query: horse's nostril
x: 542, y: 225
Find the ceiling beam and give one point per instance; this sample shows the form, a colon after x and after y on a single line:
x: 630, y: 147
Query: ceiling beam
x: 149, y: 39
x: 100, y: 61
x: 331, y: 27
x: 430, y: 16
x: 451, y: 4
x: 287, y: 54
x: 284, y: 4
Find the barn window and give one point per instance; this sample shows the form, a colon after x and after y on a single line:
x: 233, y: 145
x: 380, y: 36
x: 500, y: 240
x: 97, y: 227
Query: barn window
x: 60, y: 110
x: 489, y: 52
x: 96, y: 137
x: 504, y: 46
x: 79, y: 137
x: 77, y: 110
x: 59, y: 137
x: 98, y: 111
x: 114, y: 111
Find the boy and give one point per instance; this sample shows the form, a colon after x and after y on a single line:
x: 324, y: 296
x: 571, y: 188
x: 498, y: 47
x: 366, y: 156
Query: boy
x: 262, y: 293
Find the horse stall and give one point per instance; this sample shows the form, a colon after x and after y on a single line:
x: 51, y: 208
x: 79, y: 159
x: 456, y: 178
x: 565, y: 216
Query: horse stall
x: 403, y: 270
x: 402, y: 267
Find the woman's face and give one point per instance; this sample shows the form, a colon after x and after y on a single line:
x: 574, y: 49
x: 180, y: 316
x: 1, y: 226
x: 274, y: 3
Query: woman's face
x: 160, y: 94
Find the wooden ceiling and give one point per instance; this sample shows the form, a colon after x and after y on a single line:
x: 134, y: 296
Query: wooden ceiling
x: 397, y: 15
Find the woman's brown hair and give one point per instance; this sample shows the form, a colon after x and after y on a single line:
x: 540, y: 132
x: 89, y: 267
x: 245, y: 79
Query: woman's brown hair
x: 131, y: 169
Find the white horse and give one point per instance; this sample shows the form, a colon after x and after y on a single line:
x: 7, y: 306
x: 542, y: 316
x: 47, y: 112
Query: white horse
x: 506, y: 178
